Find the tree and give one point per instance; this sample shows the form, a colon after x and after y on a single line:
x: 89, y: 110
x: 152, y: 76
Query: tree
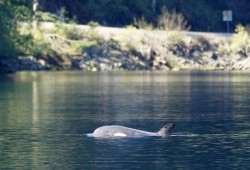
x: 202, y: 15
x: 153, y: 5
x: 12, y: 13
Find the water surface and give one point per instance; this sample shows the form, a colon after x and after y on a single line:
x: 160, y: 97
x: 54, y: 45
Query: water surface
x: 44, y: 117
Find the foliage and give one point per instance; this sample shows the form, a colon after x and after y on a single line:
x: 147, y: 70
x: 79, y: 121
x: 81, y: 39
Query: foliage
x: 106, y: 12
x: 241, y: 40
x: 141, y: 23
x: 93, y: 24
x: 175, y: 37
x: 202, y: 15
x: 69, y: 31
x: 6, y: 43
x: 62, y: 15
x: 41, y: 46
x: 11, y: 13
x: 172, y: 21
x: 46, y: 17
x: 34, y: 42
x: 131, y: 27
x: 73, y: 33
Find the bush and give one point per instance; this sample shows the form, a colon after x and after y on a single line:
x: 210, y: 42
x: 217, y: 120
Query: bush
x: 69, y: 31
x: 33, y: 42
x: 94, y: 24
x: 7, y: 30
x: 175, y: 37
x: 46, y: 17
x: 241, y: 40
x: 72, y: 32
x: 172, y: 21
x: 11, y: 14
x: 141, y: 23
x: 41, y: 46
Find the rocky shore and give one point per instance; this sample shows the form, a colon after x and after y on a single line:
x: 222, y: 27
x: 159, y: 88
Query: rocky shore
x: 132, y: 49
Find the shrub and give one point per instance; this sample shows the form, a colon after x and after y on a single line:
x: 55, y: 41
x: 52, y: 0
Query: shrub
x: 72, y: 32
x: 172, y: 21
x: 46, y: 16
x: 241, y: 40
x: 93, y: 24
x: 175, y: 37
x: 132, y: 27
x: 141, y: 23
x: 62, y: 15
x: 11, y: 14
x: 41, y: 46
x: 69, y: 31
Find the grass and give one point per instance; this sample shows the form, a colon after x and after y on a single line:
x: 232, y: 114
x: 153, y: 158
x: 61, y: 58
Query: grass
x: 72, y: 40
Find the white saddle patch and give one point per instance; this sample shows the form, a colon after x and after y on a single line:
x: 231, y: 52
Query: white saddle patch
x: 120, y: 134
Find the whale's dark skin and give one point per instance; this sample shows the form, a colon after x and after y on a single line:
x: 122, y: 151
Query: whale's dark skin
x: 115, y: 130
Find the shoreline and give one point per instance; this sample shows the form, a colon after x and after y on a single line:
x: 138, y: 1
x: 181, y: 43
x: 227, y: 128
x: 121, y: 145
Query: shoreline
x: 107, y: 49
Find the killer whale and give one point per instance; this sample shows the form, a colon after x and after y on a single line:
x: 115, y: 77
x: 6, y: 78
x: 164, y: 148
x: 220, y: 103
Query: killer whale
x: 116, y: 130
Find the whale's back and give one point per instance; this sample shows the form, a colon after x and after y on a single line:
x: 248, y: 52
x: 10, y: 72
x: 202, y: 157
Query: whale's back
x: 115, y: 130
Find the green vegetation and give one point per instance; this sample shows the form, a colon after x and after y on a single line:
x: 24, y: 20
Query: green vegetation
x: 25, y: 32
x: 139, y: 14
x: 141, y: 23
x: 12, y: 13
x: 46, y: 17
x: 202, y: 15
x: 240, y: 41
x: 93, y: 24
x: 62, y: 39
x: 172, y: 21
x: 65, y: 38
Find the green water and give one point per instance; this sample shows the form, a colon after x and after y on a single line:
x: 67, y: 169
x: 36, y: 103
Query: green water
x: 45, y: 116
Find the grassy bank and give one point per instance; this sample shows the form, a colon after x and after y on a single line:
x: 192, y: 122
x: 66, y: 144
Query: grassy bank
x: 91, y: 47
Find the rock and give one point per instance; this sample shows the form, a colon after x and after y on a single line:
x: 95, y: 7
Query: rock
x: 42, y: 62
x: 31, y: 63
x: 240, y: 65
x: 214, y: 56
x: 8, y: 66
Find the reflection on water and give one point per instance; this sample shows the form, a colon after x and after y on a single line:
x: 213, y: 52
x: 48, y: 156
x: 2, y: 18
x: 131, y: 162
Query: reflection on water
x: 44, y: 118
